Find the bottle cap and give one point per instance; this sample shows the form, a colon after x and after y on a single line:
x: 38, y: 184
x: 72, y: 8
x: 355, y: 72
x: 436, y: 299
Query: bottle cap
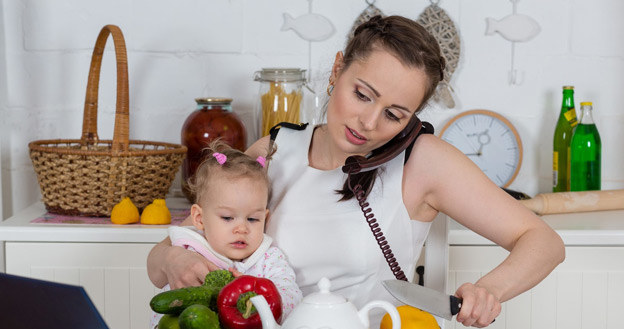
x: 568, y: 87
x: 586, y: 103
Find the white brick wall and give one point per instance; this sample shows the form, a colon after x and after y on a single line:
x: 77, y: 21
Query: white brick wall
x: 179, y: 50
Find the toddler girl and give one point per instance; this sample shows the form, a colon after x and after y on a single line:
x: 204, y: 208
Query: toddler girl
x: 229, y: 217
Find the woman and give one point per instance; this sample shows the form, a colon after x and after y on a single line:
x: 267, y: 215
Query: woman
x: 389, y: 70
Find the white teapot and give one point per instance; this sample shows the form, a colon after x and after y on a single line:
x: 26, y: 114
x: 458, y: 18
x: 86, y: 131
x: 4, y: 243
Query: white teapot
x: 324, y: 310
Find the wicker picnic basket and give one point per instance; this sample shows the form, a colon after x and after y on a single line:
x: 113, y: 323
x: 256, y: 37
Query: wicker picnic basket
x: 88, y: 176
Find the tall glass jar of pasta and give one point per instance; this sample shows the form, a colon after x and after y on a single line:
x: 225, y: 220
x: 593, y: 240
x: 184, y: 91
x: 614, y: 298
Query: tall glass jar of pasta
x: 280, y: 97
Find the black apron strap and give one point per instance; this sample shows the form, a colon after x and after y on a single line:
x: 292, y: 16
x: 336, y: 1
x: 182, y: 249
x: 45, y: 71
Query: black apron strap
x: 275, y: 129
x: 427, y: 128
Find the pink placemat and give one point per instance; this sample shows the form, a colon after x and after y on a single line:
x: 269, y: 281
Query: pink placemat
x: 177, y: 216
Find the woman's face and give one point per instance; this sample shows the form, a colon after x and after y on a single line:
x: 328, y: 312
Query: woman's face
x: 372, y: 101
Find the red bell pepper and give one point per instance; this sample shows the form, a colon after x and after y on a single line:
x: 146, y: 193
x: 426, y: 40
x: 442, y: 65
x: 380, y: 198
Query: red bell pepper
x: 236, y: 310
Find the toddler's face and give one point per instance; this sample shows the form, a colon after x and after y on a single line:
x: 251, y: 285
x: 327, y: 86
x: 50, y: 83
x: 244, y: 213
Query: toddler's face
x: 234, y: 214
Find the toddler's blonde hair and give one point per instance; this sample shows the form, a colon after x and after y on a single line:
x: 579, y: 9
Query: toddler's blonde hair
x: 237, y: 165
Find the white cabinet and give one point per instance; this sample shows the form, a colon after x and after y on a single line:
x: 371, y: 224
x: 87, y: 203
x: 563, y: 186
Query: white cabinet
x: 108, y: 260
x: 113, y: 274
x: 584, y: 292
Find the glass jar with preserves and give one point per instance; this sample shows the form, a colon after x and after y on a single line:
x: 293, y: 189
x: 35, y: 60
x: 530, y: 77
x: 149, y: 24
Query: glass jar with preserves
x: 280, y: 97
x: 213, y: 118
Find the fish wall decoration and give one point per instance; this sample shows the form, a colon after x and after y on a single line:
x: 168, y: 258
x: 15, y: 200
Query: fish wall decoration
x: 310, y: 27
x: 515, y: 28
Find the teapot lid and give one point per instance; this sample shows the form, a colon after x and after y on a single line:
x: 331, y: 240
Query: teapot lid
x: 323, y: 296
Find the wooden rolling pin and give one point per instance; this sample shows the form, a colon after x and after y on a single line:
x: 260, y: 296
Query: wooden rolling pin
x: 566, y: 202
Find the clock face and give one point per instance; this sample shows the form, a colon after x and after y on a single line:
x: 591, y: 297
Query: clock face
x: 489, y: 140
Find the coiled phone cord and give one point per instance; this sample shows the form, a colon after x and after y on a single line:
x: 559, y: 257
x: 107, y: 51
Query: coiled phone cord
x: 374, y: 226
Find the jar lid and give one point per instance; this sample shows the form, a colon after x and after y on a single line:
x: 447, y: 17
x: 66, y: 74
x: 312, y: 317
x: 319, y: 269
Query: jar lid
x: 213, y: 100
x: 280, y: 74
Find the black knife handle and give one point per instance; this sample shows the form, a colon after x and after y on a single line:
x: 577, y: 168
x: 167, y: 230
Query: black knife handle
x: 455, y: 305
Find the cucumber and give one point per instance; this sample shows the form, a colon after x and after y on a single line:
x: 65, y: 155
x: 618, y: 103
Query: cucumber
x: 168, y: 321
x: 175, y: 301
x: 198, y: 317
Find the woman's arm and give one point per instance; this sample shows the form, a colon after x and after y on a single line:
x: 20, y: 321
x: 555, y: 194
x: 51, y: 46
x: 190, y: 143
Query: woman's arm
x: 452, y: 183
x: 177, y: 266
x: 180, y: 267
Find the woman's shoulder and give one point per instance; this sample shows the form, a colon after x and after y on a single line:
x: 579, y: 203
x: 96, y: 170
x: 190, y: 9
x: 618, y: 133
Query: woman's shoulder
x: 434, y: 168
x: 259, y: 147
x: 262, y: 145
x: 428, y: 147
x: 432, y: 157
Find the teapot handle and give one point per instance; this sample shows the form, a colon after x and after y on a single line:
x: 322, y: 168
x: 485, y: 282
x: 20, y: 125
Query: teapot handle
x: 391, y: 309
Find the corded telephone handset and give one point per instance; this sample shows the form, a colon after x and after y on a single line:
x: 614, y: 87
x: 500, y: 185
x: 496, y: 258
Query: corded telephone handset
x: 357, y: 163
x: 387, y: 152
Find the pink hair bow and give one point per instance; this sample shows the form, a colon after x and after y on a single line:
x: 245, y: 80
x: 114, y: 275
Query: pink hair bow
x: 221, y: 158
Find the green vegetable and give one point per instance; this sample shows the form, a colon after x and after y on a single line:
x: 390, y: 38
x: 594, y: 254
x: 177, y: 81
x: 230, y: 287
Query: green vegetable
x: 168, y: 321
x: 175, y: 301
x: 218, y: 278
x: 198, y: 317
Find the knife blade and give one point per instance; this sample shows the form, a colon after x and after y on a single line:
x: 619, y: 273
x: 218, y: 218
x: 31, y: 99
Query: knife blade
x: 426, y: 299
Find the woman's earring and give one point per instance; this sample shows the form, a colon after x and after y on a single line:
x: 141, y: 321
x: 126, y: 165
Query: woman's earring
x: 330, y: 88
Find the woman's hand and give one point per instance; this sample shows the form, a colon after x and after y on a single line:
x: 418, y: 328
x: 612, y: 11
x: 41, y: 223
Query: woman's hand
x: 479, y: 306
x: 185, y: 268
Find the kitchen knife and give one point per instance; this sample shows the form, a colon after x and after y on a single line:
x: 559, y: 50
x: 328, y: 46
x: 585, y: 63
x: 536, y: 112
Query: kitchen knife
x: 426, y: 299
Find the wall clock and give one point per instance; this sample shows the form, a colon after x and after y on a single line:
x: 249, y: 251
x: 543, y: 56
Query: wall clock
x: 489, y: 140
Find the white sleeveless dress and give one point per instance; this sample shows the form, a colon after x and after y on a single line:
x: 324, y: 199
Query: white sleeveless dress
x: 324, y: 237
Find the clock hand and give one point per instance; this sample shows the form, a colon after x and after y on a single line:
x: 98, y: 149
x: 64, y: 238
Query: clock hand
x: 480, y: 151
x: 475, y: 152
x: 485, y: 142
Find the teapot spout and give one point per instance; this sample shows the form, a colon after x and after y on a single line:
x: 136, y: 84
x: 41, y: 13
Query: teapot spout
x: 266, y: 316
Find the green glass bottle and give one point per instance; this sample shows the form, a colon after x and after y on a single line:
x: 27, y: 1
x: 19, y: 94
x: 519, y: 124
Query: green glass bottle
x: 585, y: 153
x: 561, y: 141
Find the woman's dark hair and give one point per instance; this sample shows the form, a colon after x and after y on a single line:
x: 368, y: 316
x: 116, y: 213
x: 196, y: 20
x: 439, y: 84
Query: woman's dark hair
x: 412, y: 45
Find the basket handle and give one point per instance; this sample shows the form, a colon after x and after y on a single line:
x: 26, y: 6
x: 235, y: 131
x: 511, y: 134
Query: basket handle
x: 89, y: 123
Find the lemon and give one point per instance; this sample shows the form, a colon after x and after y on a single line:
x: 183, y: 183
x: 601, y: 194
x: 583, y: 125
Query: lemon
x: 156, y: 213
x: 125, y: 212
x: 411, y: 318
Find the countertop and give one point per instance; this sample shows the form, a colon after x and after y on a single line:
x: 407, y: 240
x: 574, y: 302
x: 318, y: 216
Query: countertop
x: 605, y: 228
x: 594, y: 228
x: 19, y: 228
